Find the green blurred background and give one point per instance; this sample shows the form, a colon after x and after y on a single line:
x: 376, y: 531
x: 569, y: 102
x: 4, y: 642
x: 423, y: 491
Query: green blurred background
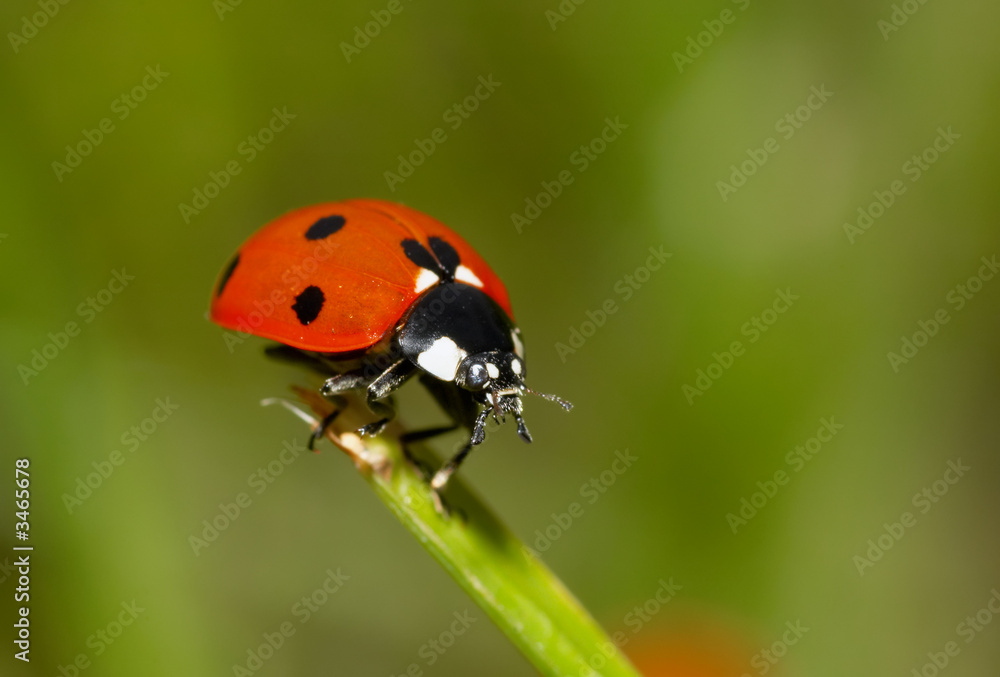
x: 223, y: 68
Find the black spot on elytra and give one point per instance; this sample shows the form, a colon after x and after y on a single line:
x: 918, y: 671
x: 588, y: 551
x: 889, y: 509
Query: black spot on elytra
x: 308, y: 304
x: 443, y: 262
x: 417, y: 253
x: 325, y: 227
x: 445, y: 254
x: 227, y: 273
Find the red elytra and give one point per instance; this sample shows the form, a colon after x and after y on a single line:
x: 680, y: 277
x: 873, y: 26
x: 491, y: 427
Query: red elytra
x: 352, y: 253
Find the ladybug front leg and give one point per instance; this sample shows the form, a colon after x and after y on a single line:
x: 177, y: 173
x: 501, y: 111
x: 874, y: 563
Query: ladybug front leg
x: 378, y: 393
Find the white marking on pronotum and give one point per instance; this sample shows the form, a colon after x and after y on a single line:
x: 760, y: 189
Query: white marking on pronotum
x: 466, y: 275
x: 442, y: 359
x: 515, y: 366
x: 492, y: 369
x: 425, y: 279
x: 518, y: 346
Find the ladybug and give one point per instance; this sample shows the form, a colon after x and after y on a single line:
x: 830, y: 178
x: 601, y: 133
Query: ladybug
x: 372, y: 293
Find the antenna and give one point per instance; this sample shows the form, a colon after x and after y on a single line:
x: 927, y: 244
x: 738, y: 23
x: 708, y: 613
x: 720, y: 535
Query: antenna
x: 551, y: 398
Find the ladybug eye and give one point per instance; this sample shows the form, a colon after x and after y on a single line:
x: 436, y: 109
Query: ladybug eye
x: 477, y: 377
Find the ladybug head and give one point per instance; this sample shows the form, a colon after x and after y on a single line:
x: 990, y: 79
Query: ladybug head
x: 458, y: 334
x: 496, y: 378
x: 495, y: 372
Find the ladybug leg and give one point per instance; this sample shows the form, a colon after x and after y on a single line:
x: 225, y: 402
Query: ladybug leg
x: 378, y: 395
x: 385, y: 410
x: 342, y: 383
x: 320, y: 430
x: 442, y: 476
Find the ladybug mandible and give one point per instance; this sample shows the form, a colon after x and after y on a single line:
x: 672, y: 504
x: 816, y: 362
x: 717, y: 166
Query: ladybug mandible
x: 374, y: 293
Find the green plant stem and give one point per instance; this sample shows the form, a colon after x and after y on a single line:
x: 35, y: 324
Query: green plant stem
x: 522, y: 596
